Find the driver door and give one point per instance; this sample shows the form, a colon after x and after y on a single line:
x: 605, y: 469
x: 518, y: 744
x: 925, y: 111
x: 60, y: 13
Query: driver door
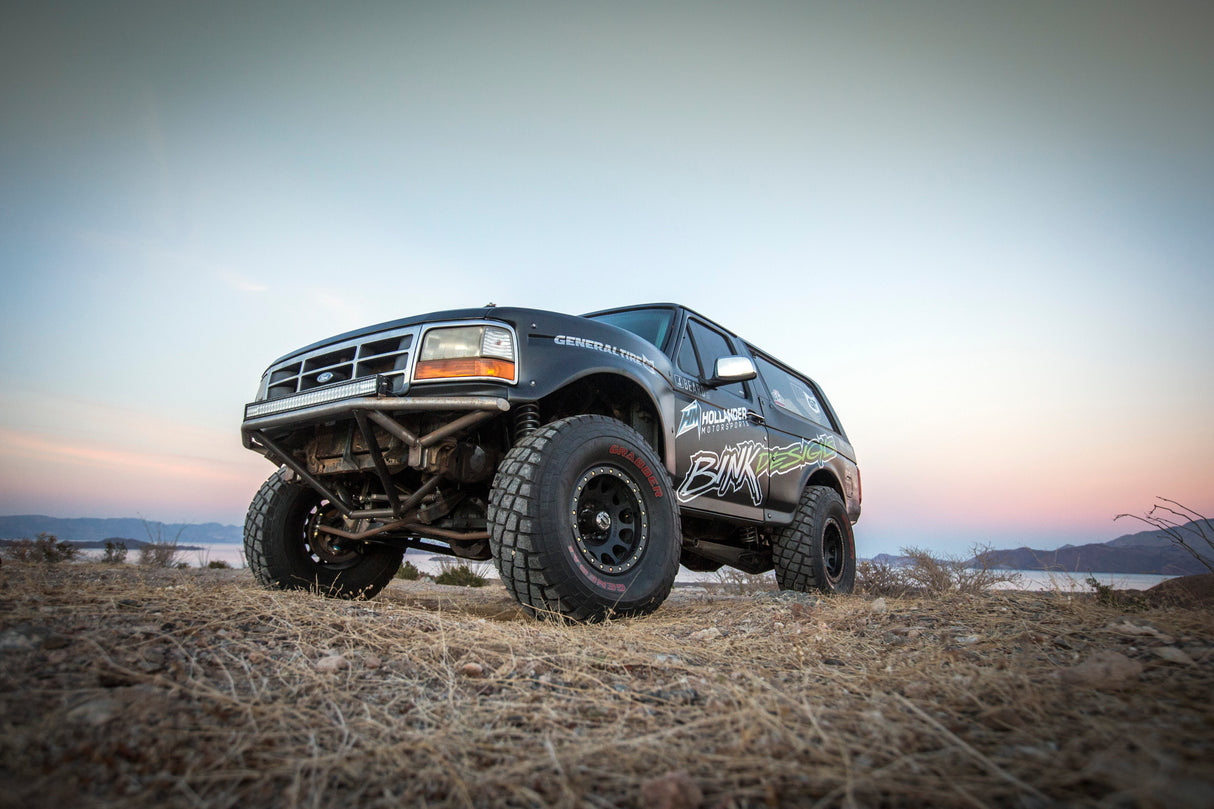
x: 720, y: 440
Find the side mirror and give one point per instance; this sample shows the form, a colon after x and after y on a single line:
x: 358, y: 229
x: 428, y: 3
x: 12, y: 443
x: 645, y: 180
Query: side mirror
x: 732, y: 369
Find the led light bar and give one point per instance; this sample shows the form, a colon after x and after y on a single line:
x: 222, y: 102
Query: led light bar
x: 359, y: 387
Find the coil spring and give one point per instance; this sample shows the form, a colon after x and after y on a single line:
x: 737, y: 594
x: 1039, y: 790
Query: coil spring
x: 526, y: 420
x: 749, y: 534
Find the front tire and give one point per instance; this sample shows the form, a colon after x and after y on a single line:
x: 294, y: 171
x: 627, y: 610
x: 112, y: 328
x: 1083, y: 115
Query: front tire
x: 817, y: 551
x: 582, y: 522
x: 286, y: 551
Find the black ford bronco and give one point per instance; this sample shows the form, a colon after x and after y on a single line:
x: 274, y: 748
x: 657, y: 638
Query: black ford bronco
x: 586, y: 456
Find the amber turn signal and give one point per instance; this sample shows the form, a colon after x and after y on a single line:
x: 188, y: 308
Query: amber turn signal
x: 464, y: 367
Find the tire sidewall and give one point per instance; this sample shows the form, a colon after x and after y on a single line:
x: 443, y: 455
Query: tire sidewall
x: 800, y: 552
x: 571, y: 454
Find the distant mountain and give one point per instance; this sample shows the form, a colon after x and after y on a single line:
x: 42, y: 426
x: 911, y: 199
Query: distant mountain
x: 889, y: 560
x: 1102, y: 558
x: 93, y: 529
x: 1143, y: 552
x: 1156, y: 539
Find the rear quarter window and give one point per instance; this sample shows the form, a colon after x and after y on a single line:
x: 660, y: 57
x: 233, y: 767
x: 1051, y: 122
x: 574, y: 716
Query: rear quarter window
x: 792, y: 394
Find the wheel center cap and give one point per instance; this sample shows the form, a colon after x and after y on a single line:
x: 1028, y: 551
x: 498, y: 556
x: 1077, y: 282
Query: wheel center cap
x: 602, y: 520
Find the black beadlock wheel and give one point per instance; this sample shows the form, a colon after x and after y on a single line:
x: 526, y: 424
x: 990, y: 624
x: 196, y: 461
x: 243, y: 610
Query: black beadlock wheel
x: 582, y: 521
x: 286, y: 550
x: 817, y: 551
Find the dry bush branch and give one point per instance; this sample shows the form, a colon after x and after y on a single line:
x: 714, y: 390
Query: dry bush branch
x: 880, y: 579
x: 732, y: 580
x: 925, y: 573
x: 1195, y: 534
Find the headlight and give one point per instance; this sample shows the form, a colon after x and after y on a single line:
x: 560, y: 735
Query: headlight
x: 467, y: 352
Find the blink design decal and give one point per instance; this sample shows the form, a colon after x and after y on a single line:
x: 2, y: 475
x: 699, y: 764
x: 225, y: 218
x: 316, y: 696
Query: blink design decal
x: 800, y: 454
x: 607, y: 348
x: 742, y: 465
x: 724, y: 473
x: 709, y: 419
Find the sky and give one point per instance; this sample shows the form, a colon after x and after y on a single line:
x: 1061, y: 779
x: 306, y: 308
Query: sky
x: 987, y: 230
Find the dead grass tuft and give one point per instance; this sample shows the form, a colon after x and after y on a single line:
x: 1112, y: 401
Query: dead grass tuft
x: 148, y: 687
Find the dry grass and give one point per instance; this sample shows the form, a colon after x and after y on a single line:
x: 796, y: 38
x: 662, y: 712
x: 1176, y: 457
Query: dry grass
x: 141, y: 687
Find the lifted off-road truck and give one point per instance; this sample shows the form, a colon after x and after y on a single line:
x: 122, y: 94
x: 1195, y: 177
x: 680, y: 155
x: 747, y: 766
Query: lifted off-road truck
x: 586, y: 456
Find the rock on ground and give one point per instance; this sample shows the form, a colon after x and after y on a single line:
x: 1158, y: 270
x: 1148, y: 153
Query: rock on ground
x: 1105, y: 669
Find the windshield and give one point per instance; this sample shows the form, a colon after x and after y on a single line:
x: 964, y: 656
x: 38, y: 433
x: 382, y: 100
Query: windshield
x: 651, y: 325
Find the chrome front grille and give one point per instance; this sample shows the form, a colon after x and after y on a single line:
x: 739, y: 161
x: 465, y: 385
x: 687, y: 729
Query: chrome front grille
x: 385, y: 353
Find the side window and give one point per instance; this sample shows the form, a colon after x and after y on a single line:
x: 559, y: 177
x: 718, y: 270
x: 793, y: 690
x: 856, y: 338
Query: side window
x: 792, y: 394
x: 711, y: 346
x: 687, y: 361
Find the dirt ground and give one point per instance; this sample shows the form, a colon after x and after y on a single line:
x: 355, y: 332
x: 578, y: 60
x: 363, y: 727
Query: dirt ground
x: 132, y: 687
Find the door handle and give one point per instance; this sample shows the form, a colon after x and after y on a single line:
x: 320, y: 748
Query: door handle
x: 755, y: 418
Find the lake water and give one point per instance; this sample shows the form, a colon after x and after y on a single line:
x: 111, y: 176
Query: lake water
x: 233, y: 554
x: 1077, y: 582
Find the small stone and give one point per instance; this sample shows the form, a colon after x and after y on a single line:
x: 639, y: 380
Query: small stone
x: 13, y: 641
x: 94, y: 712
x: 878, y: 606
x: 968, y: 640
x: 56, y: 641
x: 372, y: 662
x: 1174, y: 655
x: 667, y: 660
x: 332, y: 664
x: 472, y: 670
x: 1128, y: 628
x: 674, y: 790
x: 1105, y: 669
x: 256, y: 658
x: 705, y: 635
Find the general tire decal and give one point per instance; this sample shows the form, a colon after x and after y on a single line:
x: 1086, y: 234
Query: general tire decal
x: 607, y: 348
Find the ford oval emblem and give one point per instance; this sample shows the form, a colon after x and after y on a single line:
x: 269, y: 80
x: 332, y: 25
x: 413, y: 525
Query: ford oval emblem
x: 327, y: 376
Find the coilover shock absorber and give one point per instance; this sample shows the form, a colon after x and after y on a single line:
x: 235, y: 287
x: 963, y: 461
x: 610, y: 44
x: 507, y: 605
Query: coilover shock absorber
x: 526, y: 420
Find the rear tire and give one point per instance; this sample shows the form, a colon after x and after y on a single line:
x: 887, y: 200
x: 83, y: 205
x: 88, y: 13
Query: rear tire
x: 287, y: 552
x: 817, y: 551
x: 582, y: 522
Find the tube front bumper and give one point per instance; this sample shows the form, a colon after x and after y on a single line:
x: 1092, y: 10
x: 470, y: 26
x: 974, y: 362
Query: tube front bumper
x: 347, y: 408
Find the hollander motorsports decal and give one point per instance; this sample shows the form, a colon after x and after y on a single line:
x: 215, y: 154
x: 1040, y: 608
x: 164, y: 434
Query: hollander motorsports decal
x: 742, y: 465
x: 705, y: 420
